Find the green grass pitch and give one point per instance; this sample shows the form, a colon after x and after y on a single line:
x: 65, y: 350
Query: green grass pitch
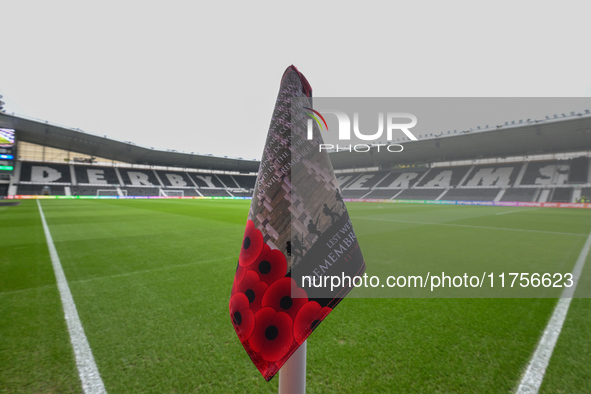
x: 152, y: 278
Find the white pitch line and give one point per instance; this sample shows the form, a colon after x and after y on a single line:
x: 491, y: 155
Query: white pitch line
x: 468, y: 226
x: 87, y: 369
x: 517, y: 210
x: 534, y: 375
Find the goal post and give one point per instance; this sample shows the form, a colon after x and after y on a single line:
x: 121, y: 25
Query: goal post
x: 171, y: 193
x: 111, y: 192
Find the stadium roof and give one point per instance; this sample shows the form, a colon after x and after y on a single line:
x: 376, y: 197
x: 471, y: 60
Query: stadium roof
x: 46, y: 134
x: 570, y: 134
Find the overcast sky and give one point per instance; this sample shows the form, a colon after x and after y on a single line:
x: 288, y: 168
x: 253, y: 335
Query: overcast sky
x: 203, y: 76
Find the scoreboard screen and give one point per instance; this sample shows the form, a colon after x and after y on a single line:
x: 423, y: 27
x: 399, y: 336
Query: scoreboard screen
x: 7, y: 150
x: 6, y: 138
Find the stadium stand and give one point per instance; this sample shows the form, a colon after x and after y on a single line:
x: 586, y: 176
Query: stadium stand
x: 95, y: 176
x: 90, y: 190
x: 498, y: 175
x: 354, y: 193
x: 500, y: 163
x: 444, y: 177
x: 141, y: 191
x: 383, y: 194
x: 241, y: 193
x: 367, y: 180
x: 579, y: 169
x: 38, y: 190
x: 466, y: 194
x: 419, y: 194
x: 245, y: 182
x: 135, y: 177
x: 215, y: 193
x: 562, y: 194
x: 227, y: 181
x: 401, y: 180
x: 37, y: 178
x: 45, y: 173
x: 207, y: 181
x: 541, y: 181
x: 546, y: 173
x: 191, y: 192
x: 175, y: 179
x: 520, y: 194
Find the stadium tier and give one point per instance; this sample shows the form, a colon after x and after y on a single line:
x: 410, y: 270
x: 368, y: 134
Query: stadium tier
x: 520, y: 194
x: 562, y: 194
x: 444, y: 177
x: 42, y: 178
x: 467, y: 194
x: 531, y: 181
x: 420, y: 194
x: 382, y: 194
x: 92, y: 175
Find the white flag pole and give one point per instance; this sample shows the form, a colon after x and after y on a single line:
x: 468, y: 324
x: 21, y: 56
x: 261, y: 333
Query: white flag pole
x: 292, y: 376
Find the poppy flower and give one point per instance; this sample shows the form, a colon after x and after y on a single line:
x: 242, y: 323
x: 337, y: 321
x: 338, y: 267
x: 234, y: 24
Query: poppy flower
x: 271, y: 266
x: 242, y: 316
x: 252, y: 245
x: 284, y: 296
x: 308, y: 318
x: 238, y: 276
x: 253, y: 288
x: 272, y: 337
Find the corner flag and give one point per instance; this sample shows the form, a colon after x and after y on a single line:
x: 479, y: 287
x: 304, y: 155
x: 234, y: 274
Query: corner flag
x: 298, y: 232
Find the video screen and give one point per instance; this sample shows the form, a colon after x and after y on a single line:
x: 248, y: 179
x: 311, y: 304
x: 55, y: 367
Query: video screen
x: 6, y: 138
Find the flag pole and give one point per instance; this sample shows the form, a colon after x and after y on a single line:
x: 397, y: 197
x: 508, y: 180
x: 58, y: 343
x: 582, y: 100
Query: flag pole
x: 292, y: 376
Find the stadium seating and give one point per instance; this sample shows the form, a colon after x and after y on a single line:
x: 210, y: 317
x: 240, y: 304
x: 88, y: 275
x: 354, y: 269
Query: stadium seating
x: 206, y: 180
x: 175, y: 179
x: 90, y: 190
x: 43, y: 173
x: 546, y: 173
x: 241, y: 194
x: 383, y: 194
x: 95, y: 176
x: 244, y: 181
x: 354, y: 193
x: 401, y: 180
x: 501, y: 175
x: 520, y: 194
x: 141, y: 191
x: 579, y: 169
x: 419, y: 194
x: 465, y: 194
x: 138, y: 177
x: 444, y: 177
x: 524, y: 181
x: 38, y: 190
x: 562, y: 194
x: 227, y: 181
x: 88, y: 180
x: 214, y: 193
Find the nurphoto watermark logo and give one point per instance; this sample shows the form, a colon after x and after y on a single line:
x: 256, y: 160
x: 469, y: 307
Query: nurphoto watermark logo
x: 348, y: 132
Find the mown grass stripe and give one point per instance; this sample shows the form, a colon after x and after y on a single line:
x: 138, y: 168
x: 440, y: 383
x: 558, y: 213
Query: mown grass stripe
x: 534, y: 375
x: 469, y: 226
x: 87, y: 369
